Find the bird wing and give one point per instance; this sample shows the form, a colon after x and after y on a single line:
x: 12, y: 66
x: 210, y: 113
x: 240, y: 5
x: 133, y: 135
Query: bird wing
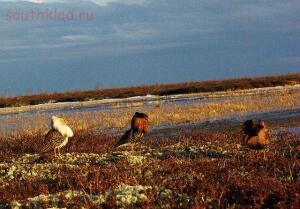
x: 125, y: 138
x: 52, y: 139
x: 251, y: 128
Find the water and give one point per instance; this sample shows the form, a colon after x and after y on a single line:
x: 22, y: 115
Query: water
x: 42, y: 113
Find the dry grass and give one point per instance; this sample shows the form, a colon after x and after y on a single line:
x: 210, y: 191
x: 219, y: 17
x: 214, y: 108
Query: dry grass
x: 118, y: 119
x: 194, y: 169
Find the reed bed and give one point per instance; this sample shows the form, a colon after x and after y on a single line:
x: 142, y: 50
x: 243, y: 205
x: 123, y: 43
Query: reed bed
x: 119, y: 118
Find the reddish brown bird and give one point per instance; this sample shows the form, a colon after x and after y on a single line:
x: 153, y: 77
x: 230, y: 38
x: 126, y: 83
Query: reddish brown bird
x: 257, y: 134
x: 139, y: 127
x: 139, y: 124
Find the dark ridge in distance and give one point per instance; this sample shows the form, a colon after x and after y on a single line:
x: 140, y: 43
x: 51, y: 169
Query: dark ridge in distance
x: 158, y: 89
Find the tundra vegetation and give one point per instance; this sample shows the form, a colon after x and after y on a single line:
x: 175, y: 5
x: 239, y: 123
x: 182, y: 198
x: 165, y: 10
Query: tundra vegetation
x: 180, y: 163
x: 196, y: 169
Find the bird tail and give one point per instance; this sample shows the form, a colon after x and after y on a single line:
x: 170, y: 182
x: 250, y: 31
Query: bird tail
x: 124, y: 139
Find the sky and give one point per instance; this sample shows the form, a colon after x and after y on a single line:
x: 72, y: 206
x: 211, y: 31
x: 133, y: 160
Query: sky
x: 63, y: 45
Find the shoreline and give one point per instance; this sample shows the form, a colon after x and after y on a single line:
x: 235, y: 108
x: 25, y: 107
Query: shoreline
x: 144, y: 100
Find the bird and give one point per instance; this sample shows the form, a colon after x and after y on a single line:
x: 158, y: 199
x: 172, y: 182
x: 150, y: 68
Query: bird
x: 60, y: 125
x: 128, y: 135
x: 58, y: 136
x: 139, y: 124
x: 139, y: 127
x: 257, y: 134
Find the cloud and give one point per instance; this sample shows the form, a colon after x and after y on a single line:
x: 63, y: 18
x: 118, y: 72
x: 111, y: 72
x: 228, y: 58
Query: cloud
x: 129, y: 2
x: 135, y: 22
x: 208, y: 34
x: 98, y: 2
x: 78, y: 38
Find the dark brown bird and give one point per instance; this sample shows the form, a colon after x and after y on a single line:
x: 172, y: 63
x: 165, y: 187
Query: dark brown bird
x: 257, y: 134
x: 139, y: 127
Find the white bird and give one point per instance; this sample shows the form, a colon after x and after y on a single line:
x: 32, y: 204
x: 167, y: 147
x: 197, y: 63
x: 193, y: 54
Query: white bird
x: 58, y: 136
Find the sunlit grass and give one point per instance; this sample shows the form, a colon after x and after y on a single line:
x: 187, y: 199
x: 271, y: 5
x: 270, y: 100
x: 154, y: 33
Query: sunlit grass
x: 119, y: 118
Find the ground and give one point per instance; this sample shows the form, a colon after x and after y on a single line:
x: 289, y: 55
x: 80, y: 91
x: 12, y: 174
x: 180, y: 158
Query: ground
x: 198, y: 163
